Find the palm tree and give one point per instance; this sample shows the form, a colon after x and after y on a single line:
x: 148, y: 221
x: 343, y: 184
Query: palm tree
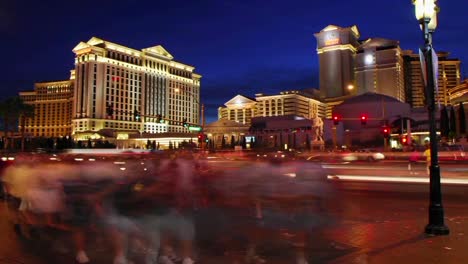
x: 26, y: 111
x: 453, y: 124
x: 444, y: 123
x: 462, y: 119
x: 10, y: 112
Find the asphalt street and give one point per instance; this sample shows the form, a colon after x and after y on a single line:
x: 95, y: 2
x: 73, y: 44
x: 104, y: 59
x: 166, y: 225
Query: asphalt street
x: 326, y: 232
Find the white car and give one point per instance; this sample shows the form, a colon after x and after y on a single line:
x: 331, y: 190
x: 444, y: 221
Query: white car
x: 363, y: 154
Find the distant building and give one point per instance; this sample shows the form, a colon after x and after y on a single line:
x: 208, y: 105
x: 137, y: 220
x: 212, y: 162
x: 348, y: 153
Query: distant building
x: 459, y: 93
x: 284, y: 132
x: 295, y: 102
x: 132, y: 83
x: 224, y: 130
x: 52, y: 103
x: 351, y: 67
x: 448, y: 78
x: 240, y: 109
x: 380, y: 110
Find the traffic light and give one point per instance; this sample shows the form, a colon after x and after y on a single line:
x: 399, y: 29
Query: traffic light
x: 184, y: 123
x: 206, y: 138
x: 136, y: 115
x: 363, y: 120
x: 200, y: 138
x: 386, y: 132
x: 336, y: 120
x: 109, y: 110
x: 404, y: 140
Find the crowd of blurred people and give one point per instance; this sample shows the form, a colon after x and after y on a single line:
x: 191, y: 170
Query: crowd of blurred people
x: 145, y: 204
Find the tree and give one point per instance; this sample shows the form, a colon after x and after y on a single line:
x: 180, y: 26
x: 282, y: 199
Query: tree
x: 233, y: 141
x: 444, y: 123
x: 10, y: 110
x: 25, y: 111
x: 244, y: 143
x: 281, y: 140
x: 461, y: 120
x: 223, y: 143
x: 148, y: 144
x: 453, y: 124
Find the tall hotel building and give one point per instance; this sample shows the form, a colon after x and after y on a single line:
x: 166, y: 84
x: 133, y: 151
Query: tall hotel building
x: 336, y: 48
x: 448, y: 78
x: 147, y: 82
x: 379, y: 68
x: 52, y: 102
x: 349, y: 67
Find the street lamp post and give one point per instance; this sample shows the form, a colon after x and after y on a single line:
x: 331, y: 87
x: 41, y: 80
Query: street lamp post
x: 426, y: 13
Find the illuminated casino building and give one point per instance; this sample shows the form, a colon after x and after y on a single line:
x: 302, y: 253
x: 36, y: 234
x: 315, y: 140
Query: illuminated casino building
x: 129, y: 91
x: 336, y: 48
x: 52, y: 102
x: 301, y: 103
x: 448, y: 78
x: 379, y: 68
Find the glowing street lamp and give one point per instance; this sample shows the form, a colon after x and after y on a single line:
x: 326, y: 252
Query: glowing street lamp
x: 426, y: 13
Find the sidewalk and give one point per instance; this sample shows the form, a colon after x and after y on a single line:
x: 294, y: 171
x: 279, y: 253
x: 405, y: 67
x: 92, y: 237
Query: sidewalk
x: 403, y: 242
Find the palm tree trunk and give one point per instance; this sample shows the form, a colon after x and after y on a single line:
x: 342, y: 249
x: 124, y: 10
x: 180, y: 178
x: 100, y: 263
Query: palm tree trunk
x: 22, y: 122
x: 5, y: 133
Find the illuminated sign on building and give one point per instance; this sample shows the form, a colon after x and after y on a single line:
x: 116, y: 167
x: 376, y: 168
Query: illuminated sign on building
x: 333, y: 41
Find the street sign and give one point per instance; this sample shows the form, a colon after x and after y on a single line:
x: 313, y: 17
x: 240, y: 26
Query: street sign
x: 194, y: 128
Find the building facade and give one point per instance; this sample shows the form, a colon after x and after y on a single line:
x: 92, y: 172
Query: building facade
x: 379, y: 68
x: 294, y: 102
x: 459, y: 93
x: 448, y: 78
x: 287, y: 103
x: 240, y: 109
x: 125, y: 90
x: 52, y: 102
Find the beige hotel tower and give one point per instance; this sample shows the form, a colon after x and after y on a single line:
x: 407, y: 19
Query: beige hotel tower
x: 146, y: 81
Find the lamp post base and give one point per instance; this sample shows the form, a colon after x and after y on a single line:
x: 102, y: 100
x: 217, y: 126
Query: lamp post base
x: 436, y: 225
x: 437, y: 230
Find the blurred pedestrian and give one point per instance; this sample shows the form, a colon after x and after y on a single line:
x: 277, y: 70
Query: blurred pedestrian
x: 413, y: 160
x: 427, y: 154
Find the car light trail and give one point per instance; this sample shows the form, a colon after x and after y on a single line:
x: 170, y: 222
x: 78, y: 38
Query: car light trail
x: 394, y: 179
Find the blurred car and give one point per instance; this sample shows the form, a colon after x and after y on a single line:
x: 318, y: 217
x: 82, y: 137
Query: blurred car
x: 452, y: 152
x: 6, y: 160
x: 364, y: 155
x: 283, y: 155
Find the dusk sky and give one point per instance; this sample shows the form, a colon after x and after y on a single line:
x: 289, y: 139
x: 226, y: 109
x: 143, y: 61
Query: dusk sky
x: 239, y: 47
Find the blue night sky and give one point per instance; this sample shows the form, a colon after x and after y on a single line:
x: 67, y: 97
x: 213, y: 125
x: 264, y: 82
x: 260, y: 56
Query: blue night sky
x: 240, y: 47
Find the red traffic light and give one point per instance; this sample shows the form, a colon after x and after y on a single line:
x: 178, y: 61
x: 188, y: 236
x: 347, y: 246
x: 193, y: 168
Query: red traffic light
x: 386, y: 132
x: 336, y: 120
x: 363, y: 119
x: 404, y: 140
